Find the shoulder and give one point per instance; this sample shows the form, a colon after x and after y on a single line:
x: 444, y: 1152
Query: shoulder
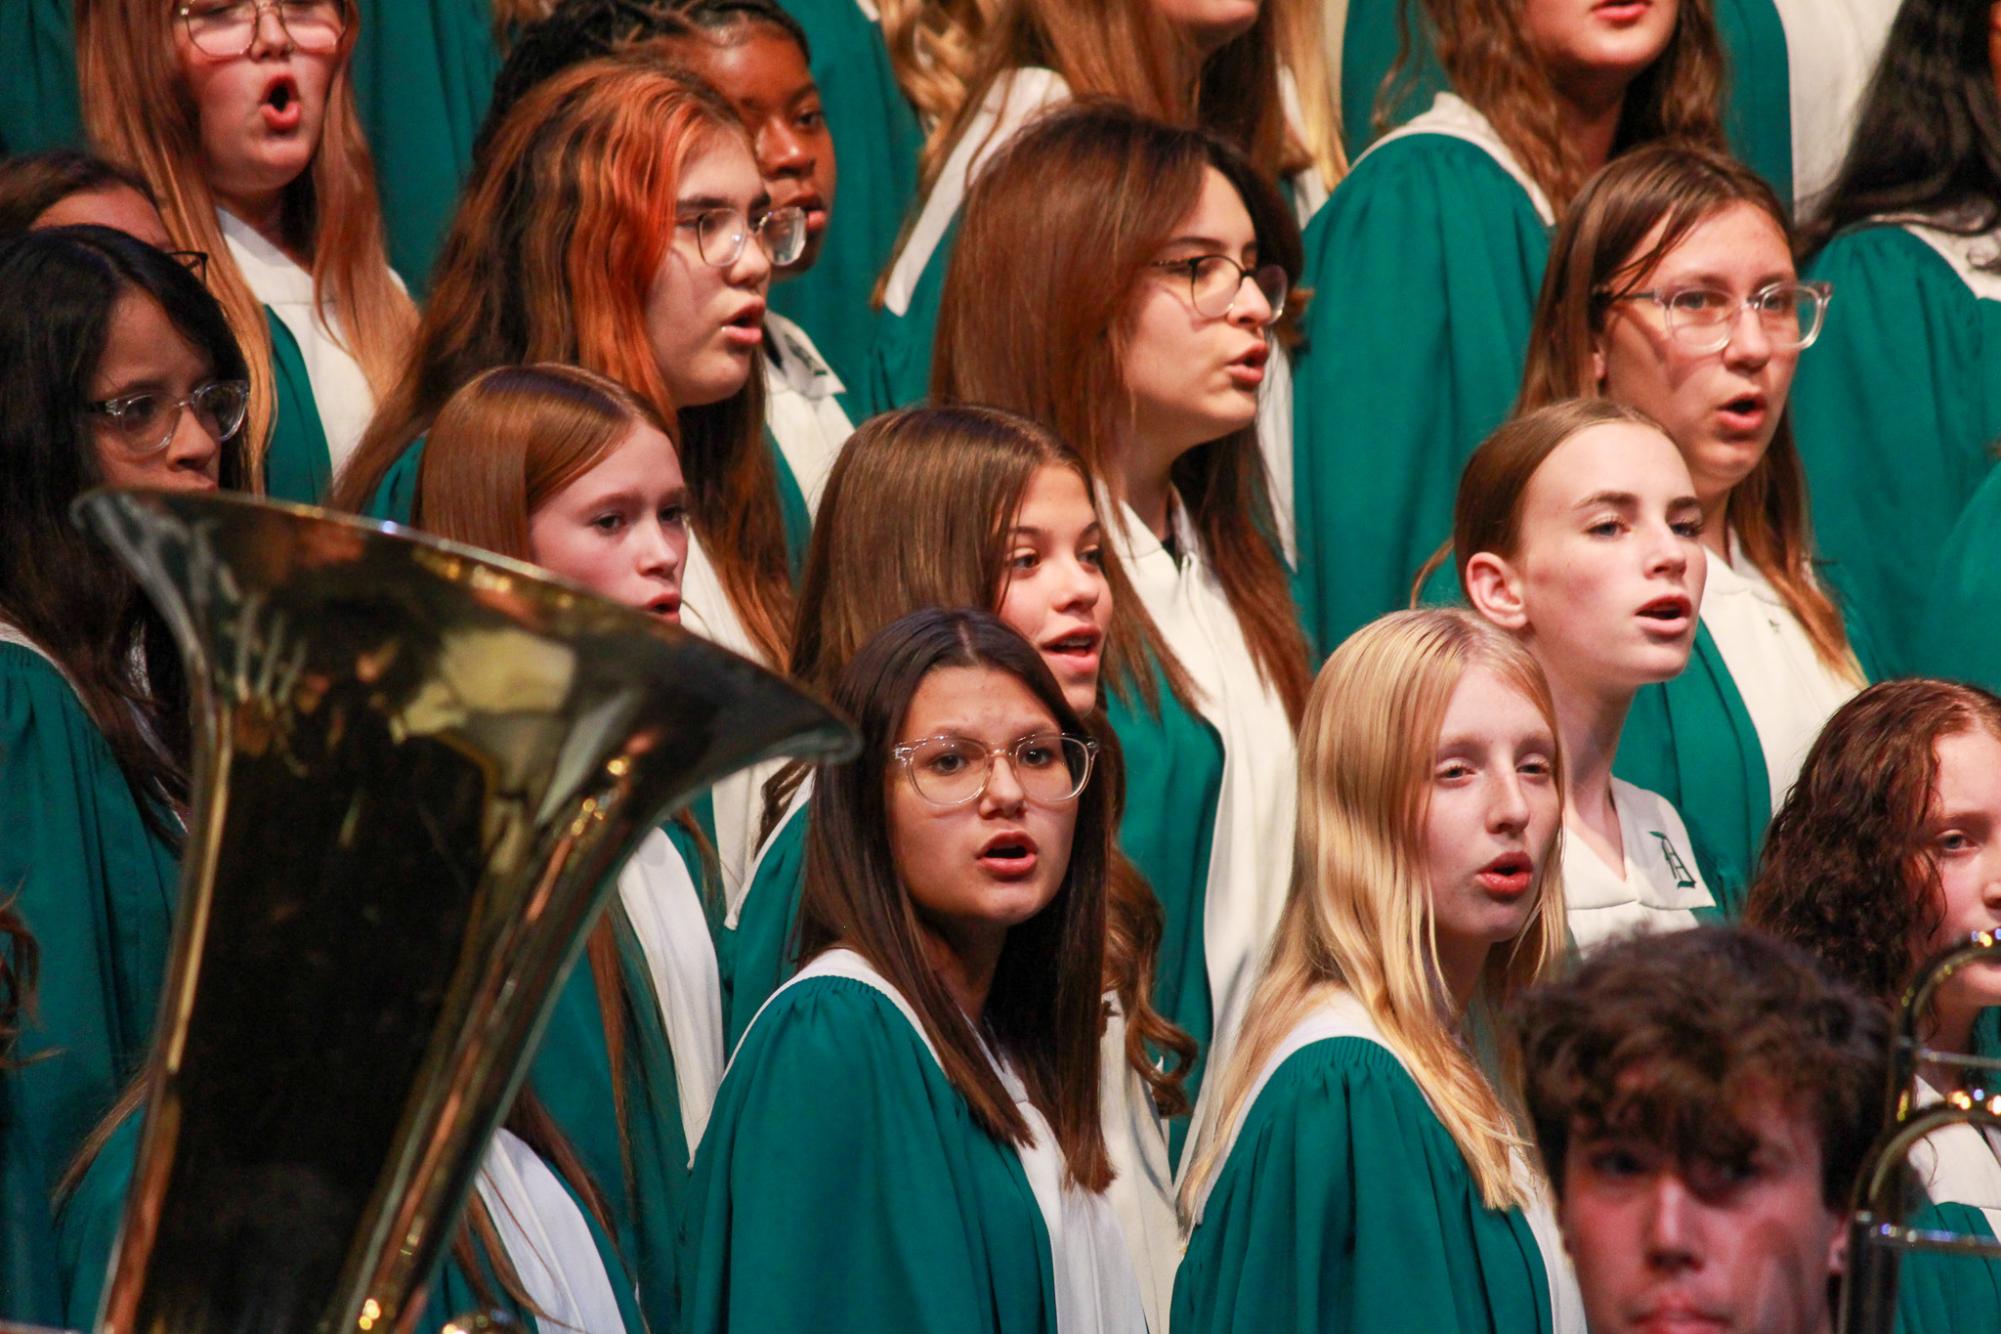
x: 1884, y: 249
x: 835, y: 1029
x: 1450, y: 150
x: 39, y: 707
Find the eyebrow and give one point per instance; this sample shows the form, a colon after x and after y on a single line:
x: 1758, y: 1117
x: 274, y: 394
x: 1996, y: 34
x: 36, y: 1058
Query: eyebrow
x: 1718, y: 280
x: 148, y: 384
x: 1680, y: 503
x: 1624, y: 500
x: 1030, y: 530
x: 697, y: 203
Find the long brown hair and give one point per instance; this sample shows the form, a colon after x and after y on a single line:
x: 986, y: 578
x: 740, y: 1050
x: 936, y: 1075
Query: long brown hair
x: 1043, y: 1009
x: 1358, y: 913
x: 1847, y: 872
x: 916, y: 514
x: 1485, y: 51
x: 550, y: 258
x: 139, y: 114
x: 1065, y: 221
x: 1601, y: 253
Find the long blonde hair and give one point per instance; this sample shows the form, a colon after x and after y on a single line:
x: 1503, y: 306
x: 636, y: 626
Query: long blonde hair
x: 139, y: 113
x: 1357, y: 917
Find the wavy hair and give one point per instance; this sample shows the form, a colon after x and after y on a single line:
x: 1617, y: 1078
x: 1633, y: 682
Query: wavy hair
x: 1044, y: 1009
x: 916, y: 514
x: 1357, y: 916
x: 139, y: 114
x: 1065, y: 221
x: 1604, y: 250
x: 1485, y: 51
x: 1927, y: 138
x: 1846, y: 873
x: 550, y: 258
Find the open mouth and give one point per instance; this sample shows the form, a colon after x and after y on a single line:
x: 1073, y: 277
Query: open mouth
x: 1669, y: 613
x: 1078, y: 644
x: 281, y: 105
x: 1509, y: 874
x: 745, y: 329
x: 667, y: 607
x: 1746, y: 410
x: 1009, y: 855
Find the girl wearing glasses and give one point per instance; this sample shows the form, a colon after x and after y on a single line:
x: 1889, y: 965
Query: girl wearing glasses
x: 240, y: 116
x: 117, y: 369
x: 1579, y: 530
x: 1900, y: 405
x: 1145, y: 266
x: 970, y: 506
x: 1230, y: 67
x: 1671, y: 289
x: 1424, y: 268
x: 908, y: 1136
x: 1367, y: 1168
x: 619, y: 223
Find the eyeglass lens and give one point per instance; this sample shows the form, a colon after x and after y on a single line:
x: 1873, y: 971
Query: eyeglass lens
x: 720, y: 234
x: 1217, y: 284
x: 147, y: 422
x: 1704, y: 317
x: 952, y: 770
x: 229, y: 27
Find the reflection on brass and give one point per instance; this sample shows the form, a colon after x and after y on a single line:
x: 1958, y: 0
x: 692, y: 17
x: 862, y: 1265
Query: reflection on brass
x: 417, y: 766
x: 1879, y: 1234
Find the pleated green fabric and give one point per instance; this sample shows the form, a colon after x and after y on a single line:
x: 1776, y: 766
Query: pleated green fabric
x: 1949, y: 1294
x: 1959, y: 635
x: 297, y: 464
x: 39, y: 105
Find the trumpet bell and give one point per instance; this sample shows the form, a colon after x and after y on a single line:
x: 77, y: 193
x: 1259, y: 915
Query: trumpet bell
x: 417, y: 766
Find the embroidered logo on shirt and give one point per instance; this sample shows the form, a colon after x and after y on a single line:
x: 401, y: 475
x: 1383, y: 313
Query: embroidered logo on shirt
x: 1683, y: 877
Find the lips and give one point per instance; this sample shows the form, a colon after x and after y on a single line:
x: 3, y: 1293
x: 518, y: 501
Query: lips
x: 1078, y: 645
x: 1248, y: 370
x: 1508, y: 875
x: 667, y: 607
x: 1008, y: 855
x: 280, y: 104
x: 1668, y: 614
x: 1744, y: 415
x: 745, y: 329
x: 1622, y: 12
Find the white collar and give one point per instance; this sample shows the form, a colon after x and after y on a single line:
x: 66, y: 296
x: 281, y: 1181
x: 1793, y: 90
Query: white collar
x: 798, y: 365
x: 274, y: 277
x: 1966, y: 254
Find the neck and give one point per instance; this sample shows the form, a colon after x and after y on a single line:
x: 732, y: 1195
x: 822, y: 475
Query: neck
x: 1145, y: 480
x: 1949, y: 1030
x: 1460, y: 963
x: 1716, y: 524
x: 264, y: 213
x: 1591, y: 122
x: 964, y: 963
x: 1589, y: 722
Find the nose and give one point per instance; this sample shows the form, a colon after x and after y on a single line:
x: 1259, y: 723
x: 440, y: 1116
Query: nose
x: 1084, y: 588
x: 1004, y: 795
x: 1667, y: 550
x: 753, y: 266
x: 192, y: 448
x: 268, y: 34
x: 1672, y: 1228
x: 1750, y: 344
x: 1252, y: 308
x: 781, y: 152
x: 661, y: 551
x: 1508, y: 812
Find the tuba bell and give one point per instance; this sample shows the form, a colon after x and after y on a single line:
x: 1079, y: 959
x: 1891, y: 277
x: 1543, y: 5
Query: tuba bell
x: 1880, y: 1232
x: 417, y: 767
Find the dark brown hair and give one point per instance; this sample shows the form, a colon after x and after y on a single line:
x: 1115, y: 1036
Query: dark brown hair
x: 1043, y: 1012
x: 1664, y: 1039
x: 31, y: 186
x: 1846, y: 872
x: 20, y: 962
x: 1601, y: 254
x: 1485, y: 51
x: 1065, y: 221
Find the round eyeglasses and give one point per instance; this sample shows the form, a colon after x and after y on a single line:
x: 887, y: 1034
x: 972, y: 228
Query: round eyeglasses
x: 720, y: 234
x: 229, y: 27
x: 952, y: 770
x: 1704, y: 319
x: 146, y: 422
x: 1216, y: 281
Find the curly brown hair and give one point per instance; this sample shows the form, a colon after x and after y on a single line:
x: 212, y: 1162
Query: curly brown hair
x: 1846, y: 874
x: 1660, y: 1038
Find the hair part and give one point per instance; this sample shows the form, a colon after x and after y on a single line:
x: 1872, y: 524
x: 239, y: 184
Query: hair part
x: 1357, y: 916
x: 1044, y: 1009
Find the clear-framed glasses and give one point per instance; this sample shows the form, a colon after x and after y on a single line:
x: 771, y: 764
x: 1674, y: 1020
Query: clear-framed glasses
x: 229, y: 27
x: 720, y: 234
x: 1216, y: 281
x: 194, y: 261
x: 953, y: 770
x: 1703, y: 319
x: 147, y: 422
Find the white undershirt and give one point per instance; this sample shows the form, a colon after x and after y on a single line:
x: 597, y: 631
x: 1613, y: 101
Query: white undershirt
x: 658, y: 892
x: 1788, y: 691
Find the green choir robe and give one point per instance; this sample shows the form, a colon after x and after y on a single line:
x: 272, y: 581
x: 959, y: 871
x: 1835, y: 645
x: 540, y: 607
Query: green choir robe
x: 39, y: 105
x: 298, y: 465
x: 28, y: 1290
x: 1898, y: 406
x: 1343, y: 1204
x: 843, y: 1186
x: 97, y: 890
x: 422, y: 74
x: 1959, y: 1177
x: 1959, y: 636
x: 1424, y: 267
x: 876, y: 141
x: 92, y: 1214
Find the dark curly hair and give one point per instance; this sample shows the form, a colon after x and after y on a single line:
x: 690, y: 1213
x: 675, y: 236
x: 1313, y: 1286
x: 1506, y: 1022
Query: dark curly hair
x: 1663, y: 1038
x: 1845, y: 873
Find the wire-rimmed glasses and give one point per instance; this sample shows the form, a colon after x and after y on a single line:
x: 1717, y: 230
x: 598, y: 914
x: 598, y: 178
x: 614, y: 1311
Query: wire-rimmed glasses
x: 229, y: 27
x: 1704, y: 319
x: 1216, y: 281
x: 146, y: 422
x: 1050, y: 767
x: 720, y: 234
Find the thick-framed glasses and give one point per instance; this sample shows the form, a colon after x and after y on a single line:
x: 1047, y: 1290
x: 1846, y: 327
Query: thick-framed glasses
x: 194, y: 261
x: 229, y: 27
x: 1216, y: 281
x: 720, y: 234
x: 1704, y: 319
x: 146, y: 422
x: 1050, y: 767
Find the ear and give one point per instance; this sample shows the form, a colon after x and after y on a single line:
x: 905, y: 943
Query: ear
x: 1494, y: 589
x: 1837, y: 1245
x: 1598, y: 351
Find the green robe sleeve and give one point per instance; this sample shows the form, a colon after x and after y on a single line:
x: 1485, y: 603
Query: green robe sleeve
x: 97, y: 890
x: 1946, y: 1294
x: 297, y: 464
x: 640, y: 1167
x: 876, y: 140
x: 395, y: 498
x: 792, y: 509
x: 39, y: 105
x: 843, y: 1186
x: 899, y: 369
x: 1895, y: 408
x: 423, y: 74
x: 1424, y: 265
x: 763, y: 949
x: 1345, y: 1205
x: 1174, y: 779
x: 1959, y: 637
